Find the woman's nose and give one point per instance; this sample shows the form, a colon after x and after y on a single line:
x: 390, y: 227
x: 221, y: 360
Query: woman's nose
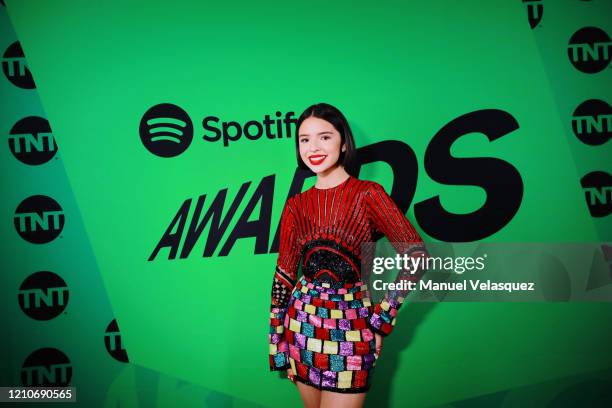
x: 314, y: 146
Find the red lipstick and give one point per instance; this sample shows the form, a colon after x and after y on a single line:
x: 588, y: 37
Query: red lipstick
x: 317, y: 159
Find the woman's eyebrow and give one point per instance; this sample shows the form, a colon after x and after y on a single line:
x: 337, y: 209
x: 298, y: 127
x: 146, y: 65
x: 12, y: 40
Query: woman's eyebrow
x: 320, y: 133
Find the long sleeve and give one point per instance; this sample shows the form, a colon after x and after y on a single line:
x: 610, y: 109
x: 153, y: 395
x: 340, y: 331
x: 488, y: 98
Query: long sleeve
x: 387, y: 218
x: 284, y: 280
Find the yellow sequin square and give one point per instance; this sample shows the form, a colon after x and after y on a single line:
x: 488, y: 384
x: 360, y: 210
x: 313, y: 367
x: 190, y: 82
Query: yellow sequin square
x: 366, y: 302
x: 273, y: 349
x: 314, y: 345
x: 304, y: 289
x: 280, y: 329
x: 336, y: 314
x: 353, y: 335
x: 295, y: 326
x: 330, y: 347
x: 385, y: 305
x: 348, y: 296
x: 310, y: 309
x: 344, y: 379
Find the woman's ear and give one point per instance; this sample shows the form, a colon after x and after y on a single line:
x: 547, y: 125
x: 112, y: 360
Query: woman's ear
x: 343, y: 147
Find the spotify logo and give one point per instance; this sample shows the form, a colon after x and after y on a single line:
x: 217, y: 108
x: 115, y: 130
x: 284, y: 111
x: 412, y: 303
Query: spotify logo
x: 46, y: 367
x: 15, y: 69
x: 592, y: 122
x: 166, y: 130
x: 31, y: 141
x: 112, y: 342
x: 43, y: 295
x: 589, y: 50
x: 39, y: 219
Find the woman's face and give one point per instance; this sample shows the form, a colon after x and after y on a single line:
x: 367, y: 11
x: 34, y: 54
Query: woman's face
x: 319, y: 143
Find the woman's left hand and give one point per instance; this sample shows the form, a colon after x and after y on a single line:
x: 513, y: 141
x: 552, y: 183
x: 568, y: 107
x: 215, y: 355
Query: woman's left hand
x: 379, y: 343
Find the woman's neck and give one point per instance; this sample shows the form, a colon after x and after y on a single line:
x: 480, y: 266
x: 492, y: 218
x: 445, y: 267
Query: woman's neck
x: 332, y: 177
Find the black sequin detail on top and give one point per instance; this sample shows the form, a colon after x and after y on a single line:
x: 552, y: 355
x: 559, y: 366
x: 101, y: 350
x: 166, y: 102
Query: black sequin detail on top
x: 328, y: 261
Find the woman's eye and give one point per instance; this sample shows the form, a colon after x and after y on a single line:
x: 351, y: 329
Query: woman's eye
x: 303, y: 140
x: 326, y: 137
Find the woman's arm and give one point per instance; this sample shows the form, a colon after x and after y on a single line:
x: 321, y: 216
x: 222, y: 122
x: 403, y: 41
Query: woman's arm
x: 387, y: 218
x: 282, y: 284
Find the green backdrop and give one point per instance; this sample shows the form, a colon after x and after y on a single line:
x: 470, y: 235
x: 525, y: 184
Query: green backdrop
x: 195, y: 328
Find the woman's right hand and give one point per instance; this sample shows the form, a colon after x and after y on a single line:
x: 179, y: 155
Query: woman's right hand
x: 290, y: 375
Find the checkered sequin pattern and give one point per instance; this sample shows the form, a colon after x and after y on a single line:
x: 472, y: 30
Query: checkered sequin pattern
x: 330, y: 343
x: 322, y: 325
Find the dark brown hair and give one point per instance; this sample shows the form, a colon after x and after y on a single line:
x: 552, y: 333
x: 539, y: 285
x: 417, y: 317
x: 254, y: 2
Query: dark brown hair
x: 332, y: 115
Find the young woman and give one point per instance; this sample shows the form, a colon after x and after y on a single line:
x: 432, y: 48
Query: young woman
x: 324, y: 329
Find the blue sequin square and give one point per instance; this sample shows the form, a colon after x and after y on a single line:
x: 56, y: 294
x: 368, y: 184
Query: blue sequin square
x: 323, y: 312
x: 308, y: 329
x: 336, y: 362
x: 355, y: 304
x: 307, y: 357
x: 280, y: 359
x: 336, y: 335
x: 385, y: 316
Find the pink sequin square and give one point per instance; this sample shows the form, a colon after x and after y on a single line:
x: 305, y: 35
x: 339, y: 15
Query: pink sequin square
x: 324, y: 296
x: 315, y: 320
x: 350, y: 313
x: 367, y: 335
x: 294, y: 352
x: 329, y: 323
x: 353, y: 363
x: 298, y: 304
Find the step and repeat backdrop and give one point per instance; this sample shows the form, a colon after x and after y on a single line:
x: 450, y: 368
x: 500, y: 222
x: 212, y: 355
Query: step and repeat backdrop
x: 148, y: 153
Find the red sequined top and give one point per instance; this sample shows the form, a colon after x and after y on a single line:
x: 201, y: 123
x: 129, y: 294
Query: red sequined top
x: 324, y: 229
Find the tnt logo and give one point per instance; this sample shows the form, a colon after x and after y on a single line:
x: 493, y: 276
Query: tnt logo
x: 166, y: 130
x: 46, y: 367
x: 597, y: 188
x: 39, y: 219
x: 15, y: 69
x: 589, y: 50
x: 592, y: 122
x: 43, y: 295
x: 112, y: 342
x: 31, y: 141
x: 535, y: 10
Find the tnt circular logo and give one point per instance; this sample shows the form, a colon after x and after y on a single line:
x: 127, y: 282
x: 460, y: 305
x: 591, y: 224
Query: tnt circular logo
x: 166, y: 130
x: 39, y: 219
x: 15, y: 69
x: 46, y: 367
x: 589, y: 50
x: 43, y: 295
x: 31, y: 141
x: 535, y: 11
x: 597, y: 187
x: 592, y: 122
x: 112, y: 342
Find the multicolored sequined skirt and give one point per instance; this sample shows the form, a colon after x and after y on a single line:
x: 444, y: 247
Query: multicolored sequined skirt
x: 331, y: 346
